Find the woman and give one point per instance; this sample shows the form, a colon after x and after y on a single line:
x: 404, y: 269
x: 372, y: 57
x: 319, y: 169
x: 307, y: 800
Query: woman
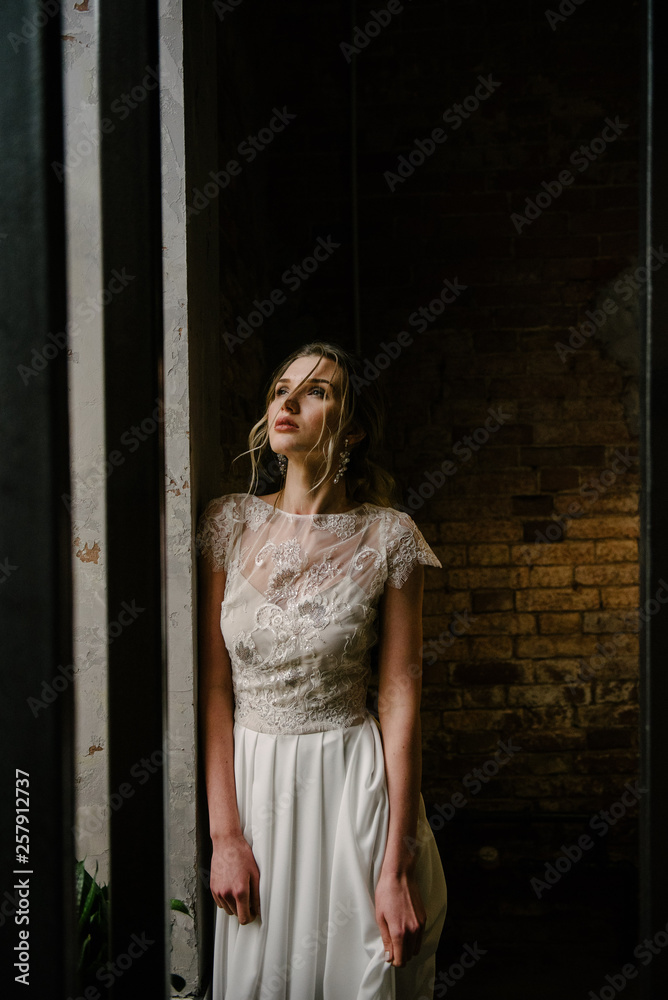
x: 324, y: 870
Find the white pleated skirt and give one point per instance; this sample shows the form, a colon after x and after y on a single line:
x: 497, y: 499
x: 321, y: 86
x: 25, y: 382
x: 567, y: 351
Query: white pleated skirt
x: 315, y: 810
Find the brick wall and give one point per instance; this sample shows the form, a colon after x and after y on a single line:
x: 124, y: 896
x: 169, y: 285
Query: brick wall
x: 536, y: 595
x: 529, y: 239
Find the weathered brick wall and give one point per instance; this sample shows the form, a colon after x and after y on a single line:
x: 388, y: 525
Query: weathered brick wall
x: 547, y: 651
x: 526, y: 236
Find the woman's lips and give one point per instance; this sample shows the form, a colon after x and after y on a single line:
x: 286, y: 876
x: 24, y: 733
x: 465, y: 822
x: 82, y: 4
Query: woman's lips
x: 286, y: 427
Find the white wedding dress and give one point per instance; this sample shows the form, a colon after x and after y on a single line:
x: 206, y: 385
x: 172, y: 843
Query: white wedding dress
x: 298, y: 618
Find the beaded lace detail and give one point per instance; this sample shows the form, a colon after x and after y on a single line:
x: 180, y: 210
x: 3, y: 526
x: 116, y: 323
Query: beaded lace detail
x: 300, y: 605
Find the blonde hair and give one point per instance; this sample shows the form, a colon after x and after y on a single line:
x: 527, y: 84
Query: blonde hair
x: 362, y: 407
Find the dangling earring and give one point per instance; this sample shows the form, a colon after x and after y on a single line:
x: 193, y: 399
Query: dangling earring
x: 345, y: 458
x: 282, y: 464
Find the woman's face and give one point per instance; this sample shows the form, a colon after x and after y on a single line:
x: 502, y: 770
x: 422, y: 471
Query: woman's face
x: 296, y: 417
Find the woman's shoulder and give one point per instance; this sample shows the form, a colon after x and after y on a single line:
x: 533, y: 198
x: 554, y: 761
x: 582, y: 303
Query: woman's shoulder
x: 236, y: 508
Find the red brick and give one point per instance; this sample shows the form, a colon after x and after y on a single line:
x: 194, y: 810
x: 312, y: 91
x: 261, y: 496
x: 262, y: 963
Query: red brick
x: 598, y: 432
x: 550, y: 576
x: 560, y: 598
x: 544, y: 695
x: 564, y: 622
x: 620, y: 597
x: 557, y: 433
x: 492, y: 600
x: 484, y: 697
x: 605, y: 408
x: 605, y: 621
x: 603, y: 527
x: 503, y: 622
x: 605, y: 763
x: 600, y: 385
x: 559, y: 671
x: 481, y: 531
x: 559, y: 479
x: 482, y: 647
x: 488, y: 555
x: 550, y: 646
x: 490, y: 672
x: 617, y: 551
x: 559, y: 739
x: 561, y: 554
x: 607, y: 715
x: 619, y: 691
x: 451, y: 555
x: 613, y: 503
x: 591, y: 455
x: 534, y: 504
x: 488, y: 577
x: 502, y: 721
x: 602, y: 738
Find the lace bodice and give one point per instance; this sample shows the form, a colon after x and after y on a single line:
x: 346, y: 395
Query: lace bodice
x: 300, y: 603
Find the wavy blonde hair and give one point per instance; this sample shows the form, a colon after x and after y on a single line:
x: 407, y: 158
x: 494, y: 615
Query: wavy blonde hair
x: 362, y: 407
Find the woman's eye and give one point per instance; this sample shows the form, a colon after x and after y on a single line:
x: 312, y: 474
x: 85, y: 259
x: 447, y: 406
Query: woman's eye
x: 322, y: 392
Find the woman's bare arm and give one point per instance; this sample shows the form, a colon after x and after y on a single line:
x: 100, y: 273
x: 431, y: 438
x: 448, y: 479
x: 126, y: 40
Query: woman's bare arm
x: 216, y: 707
x: 399, y: 693
x: 400, y: 910
x: 235, y: 878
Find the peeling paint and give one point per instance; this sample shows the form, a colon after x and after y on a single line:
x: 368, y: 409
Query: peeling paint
x: 87, y: 553
x: 92, y: 749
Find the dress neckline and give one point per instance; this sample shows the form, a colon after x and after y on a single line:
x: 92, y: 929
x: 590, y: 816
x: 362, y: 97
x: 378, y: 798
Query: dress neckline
x: 288, y: 513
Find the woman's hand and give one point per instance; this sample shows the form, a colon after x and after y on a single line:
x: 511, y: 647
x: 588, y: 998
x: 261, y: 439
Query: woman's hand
x: 235, y: 878
x: 400, y: 914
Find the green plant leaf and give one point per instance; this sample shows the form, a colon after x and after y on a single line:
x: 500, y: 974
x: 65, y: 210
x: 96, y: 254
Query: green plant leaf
x: 178, y: 904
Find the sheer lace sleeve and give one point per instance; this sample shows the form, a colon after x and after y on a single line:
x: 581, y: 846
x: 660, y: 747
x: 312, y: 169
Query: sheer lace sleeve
x: 214, y: 530
x: 406, y: 546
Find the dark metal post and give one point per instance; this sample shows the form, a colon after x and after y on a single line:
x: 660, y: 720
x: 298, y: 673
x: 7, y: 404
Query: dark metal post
x: 37, y: 918
x: 654, y: 511
x: 134, y: 552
